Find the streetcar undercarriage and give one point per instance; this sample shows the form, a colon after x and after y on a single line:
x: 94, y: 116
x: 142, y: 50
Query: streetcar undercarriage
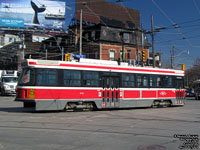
x: 97, y: 105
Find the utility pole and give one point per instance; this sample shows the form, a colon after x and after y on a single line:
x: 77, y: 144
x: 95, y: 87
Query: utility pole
x: 152, y: 32
x: 142, y: 40
x: 21, y: 53
x: 172, y: 58
x: 143, y: 62
x: 136, y: 40
x: 123, y: 48
x: 46, y: 52
x: 81, y: 20
x: 22, y: 47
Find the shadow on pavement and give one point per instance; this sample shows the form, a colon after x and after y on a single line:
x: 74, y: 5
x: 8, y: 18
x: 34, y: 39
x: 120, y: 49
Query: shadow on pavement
x: 16, y: 109
x: 190, y: 98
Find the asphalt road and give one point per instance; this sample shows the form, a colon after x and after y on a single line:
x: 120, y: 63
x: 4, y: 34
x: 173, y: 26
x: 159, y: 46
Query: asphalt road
x: 132, y: 129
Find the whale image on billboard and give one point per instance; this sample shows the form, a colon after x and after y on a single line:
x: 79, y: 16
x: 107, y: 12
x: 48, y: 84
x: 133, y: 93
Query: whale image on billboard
x: 40, y: 14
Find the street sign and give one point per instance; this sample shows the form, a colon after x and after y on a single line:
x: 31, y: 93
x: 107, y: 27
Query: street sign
x: 79, y: 56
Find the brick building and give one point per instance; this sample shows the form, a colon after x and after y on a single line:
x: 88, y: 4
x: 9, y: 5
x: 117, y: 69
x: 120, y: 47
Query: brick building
x: 110, y: 31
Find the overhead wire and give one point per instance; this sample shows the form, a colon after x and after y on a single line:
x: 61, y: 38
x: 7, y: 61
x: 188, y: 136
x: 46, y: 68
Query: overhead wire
x: 172, y: 22
x: 197, y: 8
x: 178, y: 28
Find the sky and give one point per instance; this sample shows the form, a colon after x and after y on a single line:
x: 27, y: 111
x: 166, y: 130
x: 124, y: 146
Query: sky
x: 182, y: 21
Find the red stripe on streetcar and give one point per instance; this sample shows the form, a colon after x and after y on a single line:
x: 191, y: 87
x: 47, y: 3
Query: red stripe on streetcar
x: 110, y: 68
x: 148, y: 94
x: 131, y: 94
x: 32, y: 63
x: 115, y: 68
x: 66, y: 94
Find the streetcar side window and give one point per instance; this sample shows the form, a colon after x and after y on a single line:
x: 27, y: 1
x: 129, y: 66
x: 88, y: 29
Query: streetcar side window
x: 142, y: 81
x: 155, y: 81
x: 170, y: 82
x: 145, y: 81
x: 91, y: 78
x: 167, y: 81
x: 72, y: 78
x: 128, y: 80
x: 139, y: 81
x: 46, y: 77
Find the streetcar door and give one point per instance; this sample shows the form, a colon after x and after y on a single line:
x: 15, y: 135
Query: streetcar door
x: 179, y: 84
x: 115, y: 92
x: 110, y: 93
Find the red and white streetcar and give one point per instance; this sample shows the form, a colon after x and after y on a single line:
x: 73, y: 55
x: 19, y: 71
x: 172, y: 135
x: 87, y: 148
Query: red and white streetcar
x: 88, y: 83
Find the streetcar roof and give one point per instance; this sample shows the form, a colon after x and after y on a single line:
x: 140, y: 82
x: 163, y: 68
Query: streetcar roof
x: 99, y: 65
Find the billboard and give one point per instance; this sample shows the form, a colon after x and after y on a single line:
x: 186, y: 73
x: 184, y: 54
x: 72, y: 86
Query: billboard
x: 40, y: 14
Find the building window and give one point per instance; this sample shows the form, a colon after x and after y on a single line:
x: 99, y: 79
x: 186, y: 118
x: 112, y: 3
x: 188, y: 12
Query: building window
x: 121, y: 55
x: 86, y: 36
x: 129, y: 54
x: 93, y: 35
x: 126, y: 37
x: 112, y: 55
x: 10, y: 39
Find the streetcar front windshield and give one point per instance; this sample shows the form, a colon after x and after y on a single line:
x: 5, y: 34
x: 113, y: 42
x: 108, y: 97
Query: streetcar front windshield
x: 27, y: 77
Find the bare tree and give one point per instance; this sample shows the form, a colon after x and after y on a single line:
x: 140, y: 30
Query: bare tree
x: 193, y: 73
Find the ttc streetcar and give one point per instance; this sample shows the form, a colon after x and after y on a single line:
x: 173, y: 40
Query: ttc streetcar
x: 99, y: 84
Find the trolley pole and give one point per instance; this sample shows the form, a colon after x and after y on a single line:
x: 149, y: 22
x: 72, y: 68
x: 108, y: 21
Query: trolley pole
x: 62, y: 54
x: 81, y: 21
x: 136, y: 40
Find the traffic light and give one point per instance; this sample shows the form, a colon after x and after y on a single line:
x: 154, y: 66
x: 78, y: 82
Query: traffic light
x: 144, y: 56
x: 183, y: 67
x: 67, y: 57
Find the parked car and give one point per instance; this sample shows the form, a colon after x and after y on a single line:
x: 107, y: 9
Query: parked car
x: 189, y: 92
x: 8, y: 82
x: 196, y: 87
x: 197, y: 93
